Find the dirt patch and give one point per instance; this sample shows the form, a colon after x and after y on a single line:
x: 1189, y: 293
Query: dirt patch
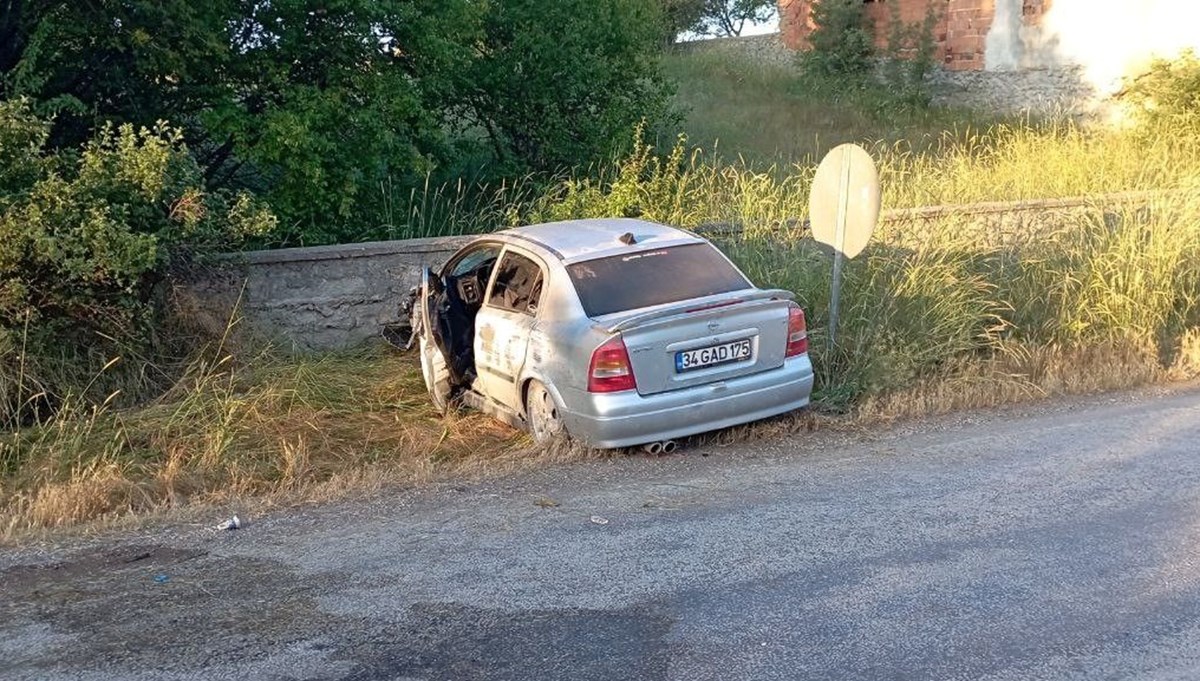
x: 35, y: 578
x: 126, y: 605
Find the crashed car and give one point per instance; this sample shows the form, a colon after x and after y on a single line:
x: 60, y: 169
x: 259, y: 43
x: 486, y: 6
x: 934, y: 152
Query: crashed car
x: 612, y: 332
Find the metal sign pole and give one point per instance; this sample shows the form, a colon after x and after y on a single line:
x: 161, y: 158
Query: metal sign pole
x: 835, y: 298
x: 839, y: 247
x: 843, y: 209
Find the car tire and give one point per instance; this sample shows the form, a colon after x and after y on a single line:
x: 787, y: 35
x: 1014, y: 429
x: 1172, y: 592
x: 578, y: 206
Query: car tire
x: 543, y: 414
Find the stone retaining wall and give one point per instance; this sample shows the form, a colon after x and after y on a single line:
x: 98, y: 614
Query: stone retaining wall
x: 318, y: 298
x: 1050, y: 90
x: 331, y: 297
x: 757, y: 49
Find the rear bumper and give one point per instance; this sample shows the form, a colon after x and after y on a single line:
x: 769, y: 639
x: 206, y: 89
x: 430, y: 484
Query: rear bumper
x: 625, y: 419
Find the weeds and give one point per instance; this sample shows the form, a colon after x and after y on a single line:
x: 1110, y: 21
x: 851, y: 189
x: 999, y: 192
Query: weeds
x: 763, y: 115
x: 265, y: 425
x: 938, y: 314
x: 452, y: 208
x: 691, y: 187
x: 1095, y: 301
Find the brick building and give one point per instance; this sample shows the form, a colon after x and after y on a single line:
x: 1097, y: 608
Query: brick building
x: 971, y: 35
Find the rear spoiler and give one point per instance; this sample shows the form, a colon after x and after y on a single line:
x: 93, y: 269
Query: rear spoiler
x: 756, y: 296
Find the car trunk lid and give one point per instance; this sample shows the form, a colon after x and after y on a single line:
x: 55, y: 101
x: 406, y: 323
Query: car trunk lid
x: 704, y: 341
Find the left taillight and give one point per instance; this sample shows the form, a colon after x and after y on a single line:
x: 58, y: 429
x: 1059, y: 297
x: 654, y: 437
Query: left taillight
x: 797, y: 340
x: 610, y: 370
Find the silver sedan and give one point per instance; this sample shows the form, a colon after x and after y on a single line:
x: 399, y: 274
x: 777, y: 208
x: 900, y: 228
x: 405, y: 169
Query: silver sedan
x: 613, y: 332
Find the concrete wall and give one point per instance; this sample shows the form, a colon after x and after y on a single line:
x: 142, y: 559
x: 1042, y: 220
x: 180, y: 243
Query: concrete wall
x: 332, y: 297
x: 317, y: 298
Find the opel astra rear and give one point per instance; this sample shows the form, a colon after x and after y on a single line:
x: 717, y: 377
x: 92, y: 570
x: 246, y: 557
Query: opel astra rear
x: 612, y: 332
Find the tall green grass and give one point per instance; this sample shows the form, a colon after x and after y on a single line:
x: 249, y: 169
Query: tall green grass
x: 692, y: 187
x: 755, y: 134
x: 1099, y: 299
x: 1117, y: 287
x: 447, y: 209
x: 933, y: 296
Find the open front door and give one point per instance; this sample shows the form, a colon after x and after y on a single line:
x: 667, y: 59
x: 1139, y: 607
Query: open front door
x: 503, y: 327
x: 433, y: 363
x: 443, y: 321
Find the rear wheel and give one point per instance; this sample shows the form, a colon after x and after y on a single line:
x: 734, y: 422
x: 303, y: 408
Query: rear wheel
x: 543, y: 415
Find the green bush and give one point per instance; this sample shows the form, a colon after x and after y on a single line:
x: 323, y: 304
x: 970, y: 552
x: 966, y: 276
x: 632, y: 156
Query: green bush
x: 559, y: 84
x: 309, y: 106
x: 322, y: 111
x: 86, y: 236
x: 844, y: 65
x: 910, y: 57
x: 1167, y: 96
x: 842, y: 42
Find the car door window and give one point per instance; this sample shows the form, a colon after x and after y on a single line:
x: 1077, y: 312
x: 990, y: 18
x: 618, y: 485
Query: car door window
x: 518, y: 284
x: 469, y: 273
x: 475, y: 259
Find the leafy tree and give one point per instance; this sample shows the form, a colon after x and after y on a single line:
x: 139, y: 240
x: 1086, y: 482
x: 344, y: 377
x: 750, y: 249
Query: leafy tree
x: 1166, y: 97
x: 317, y: 106
x: 133, y: 61
x: 311, y: 105
x: 560, y: 83
x: 681, y: 16
x: 338, y: 101
x: 729, y: 17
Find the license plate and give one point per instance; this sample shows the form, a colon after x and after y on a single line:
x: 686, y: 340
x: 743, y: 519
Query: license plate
x: 725, y: 353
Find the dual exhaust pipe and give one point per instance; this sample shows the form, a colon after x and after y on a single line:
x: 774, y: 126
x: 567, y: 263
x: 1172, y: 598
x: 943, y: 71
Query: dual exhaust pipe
x: 663, y: 447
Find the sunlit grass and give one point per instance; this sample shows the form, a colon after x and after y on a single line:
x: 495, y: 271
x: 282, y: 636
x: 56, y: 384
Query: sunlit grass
x: 691, y: 187
x: 1084, y: 303
x: 1098, y: 301
x: 938, y: 313
x: 267, y: 425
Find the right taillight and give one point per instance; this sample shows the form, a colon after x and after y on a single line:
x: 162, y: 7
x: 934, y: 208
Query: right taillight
x: 797, y: 340
x: 610, y: 370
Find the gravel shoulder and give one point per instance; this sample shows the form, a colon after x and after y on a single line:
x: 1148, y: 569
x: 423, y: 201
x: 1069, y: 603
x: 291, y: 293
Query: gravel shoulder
x: 1053, y: 540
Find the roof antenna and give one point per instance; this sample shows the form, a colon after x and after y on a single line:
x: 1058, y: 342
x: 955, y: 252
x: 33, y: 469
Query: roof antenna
x: 628, y: 239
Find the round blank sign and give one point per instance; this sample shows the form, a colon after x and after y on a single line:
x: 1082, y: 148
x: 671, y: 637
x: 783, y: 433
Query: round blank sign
x: 843, y: 207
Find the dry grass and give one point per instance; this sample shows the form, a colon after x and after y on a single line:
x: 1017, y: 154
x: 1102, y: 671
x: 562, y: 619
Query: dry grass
x: 278, y: 429
x: 1095, y: 301
x: 1020, y: 374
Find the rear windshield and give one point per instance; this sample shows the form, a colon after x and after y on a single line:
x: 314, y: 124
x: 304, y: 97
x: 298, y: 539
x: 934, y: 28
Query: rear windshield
x: 668, y: 275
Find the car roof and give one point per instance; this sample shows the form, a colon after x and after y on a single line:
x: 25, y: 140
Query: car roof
x: 577, y: 240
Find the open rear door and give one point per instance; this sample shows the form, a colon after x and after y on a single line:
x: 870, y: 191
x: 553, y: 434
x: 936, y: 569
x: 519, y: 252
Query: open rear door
x: 433, y: 363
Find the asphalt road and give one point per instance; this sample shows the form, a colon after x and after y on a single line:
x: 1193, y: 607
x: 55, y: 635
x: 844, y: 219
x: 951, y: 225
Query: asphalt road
x: 1050, y: 542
